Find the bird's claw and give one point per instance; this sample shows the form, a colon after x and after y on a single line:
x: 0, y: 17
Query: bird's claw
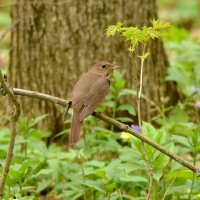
x: 69, y: 104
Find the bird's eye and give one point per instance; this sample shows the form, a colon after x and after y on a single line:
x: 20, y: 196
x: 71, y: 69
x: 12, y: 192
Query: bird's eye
x: 103, y: 66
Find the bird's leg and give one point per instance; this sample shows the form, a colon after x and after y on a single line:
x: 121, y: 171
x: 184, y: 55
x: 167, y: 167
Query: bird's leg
x: 69, y: 104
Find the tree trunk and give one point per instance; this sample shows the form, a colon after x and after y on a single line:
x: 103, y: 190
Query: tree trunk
x: 54, y: 42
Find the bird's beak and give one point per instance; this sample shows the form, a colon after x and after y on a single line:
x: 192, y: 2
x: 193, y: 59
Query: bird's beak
x: 115, y: 66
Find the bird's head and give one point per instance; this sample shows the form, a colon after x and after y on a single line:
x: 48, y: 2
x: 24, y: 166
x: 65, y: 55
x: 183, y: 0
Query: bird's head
x: 104, y: 67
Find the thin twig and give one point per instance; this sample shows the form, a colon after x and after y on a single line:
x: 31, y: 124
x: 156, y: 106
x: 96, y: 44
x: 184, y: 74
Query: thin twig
x: 192, y: 185
x: 150, y: 169
x: 171, y: 184
x: 13, y: 119
x: 119, y: 194
x: 111, y: 121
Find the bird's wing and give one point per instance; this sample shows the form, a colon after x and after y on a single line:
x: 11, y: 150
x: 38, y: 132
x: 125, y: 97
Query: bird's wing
x: 79, y: 93
x: 95, y: 95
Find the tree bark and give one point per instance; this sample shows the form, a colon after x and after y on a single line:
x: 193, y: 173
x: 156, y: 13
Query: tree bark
x: 55, y: 41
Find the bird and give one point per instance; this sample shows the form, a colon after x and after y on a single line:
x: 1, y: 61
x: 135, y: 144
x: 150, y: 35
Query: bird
x: 88, y: 93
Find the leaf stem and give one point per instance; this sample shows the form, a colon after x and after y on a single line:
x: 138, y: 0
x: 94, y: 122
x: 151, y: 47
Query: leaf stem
x: 140, y: 125
x: 171, y: 184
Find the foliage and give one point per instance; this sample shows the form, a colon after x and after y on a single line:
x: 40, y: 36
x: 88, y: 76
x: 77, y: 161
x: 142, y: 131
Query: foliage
x: 139, y: 36
x: 180, y: 11
x: 185, y: 63
x: 102, y: 166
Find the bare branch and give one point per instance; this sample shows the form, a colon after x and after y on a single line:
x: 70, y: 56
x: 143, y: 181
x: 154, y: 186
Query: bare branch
x: 13, y: 119
x: 39, y: 95
x: 111, y: 121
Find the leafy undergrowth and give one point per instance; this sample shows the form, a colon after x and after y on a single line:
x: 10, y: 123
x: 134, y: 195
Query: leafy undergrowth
x: 104, y: 166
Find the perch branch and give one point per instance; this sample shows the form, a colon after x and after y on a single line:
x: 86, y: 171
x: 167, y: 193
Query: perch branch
x: 120, y: 125
x: 13, y: 119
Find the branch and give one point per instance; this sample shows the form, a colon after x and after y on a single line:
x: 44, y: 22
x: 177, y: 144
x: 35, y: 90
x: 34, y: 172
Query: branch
x: 111, y: 121
x: 13, y: 119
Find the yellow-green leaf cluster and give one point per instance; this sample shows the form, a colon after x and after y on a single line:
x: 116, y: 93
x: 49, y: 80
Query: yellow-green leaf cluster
x: 137, y: 35
x: 144, y: 56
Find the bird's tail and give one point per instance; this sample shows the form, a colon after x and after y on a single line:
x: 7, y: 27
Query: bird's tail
x: 75, y: 128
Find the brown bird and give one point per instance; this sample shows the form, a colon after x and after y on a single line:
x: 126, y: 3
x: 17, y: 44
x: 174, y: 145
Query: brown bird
x: 88, y: 93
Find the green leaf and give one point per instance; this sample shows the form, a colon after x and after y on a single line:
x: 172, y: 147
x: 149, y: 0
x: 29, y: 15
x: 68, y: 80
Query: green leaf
x: 180, y: 140
x: 37, y: 119
x: 176, y: 74
x: 133, y: 34
x: 89, y: 171
x: 127, y: 107
x: 111, y: 30
x: 148, y: 130
x: 43, y: 173
x: 151, y: 32
x: 110, y: 187
x: 160, y: 136
x: 101, y: 173
x: 119, y: 25
x: 132, y: 166
x: 157, y: 174
x: 119, y: 84
x: 176, y: 34
x: 184, y: 173
x: 127, y: 154
x: 134, y: 179
x: 160, y: 24
x: 71, y: 154
x: 124, y: 92
x: 17, y: 171
x: 39, y: 146
x: 4, y: 133
x: 124, y: 119
x: 178, y: 115
x: 95, y: 185
x: 109, y: 104
x: 160, y: 160
x: 95, y: 163
x: 182, y: 77
x: 25, y: 165
x: 102, y: 130
x: 43, y: 185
